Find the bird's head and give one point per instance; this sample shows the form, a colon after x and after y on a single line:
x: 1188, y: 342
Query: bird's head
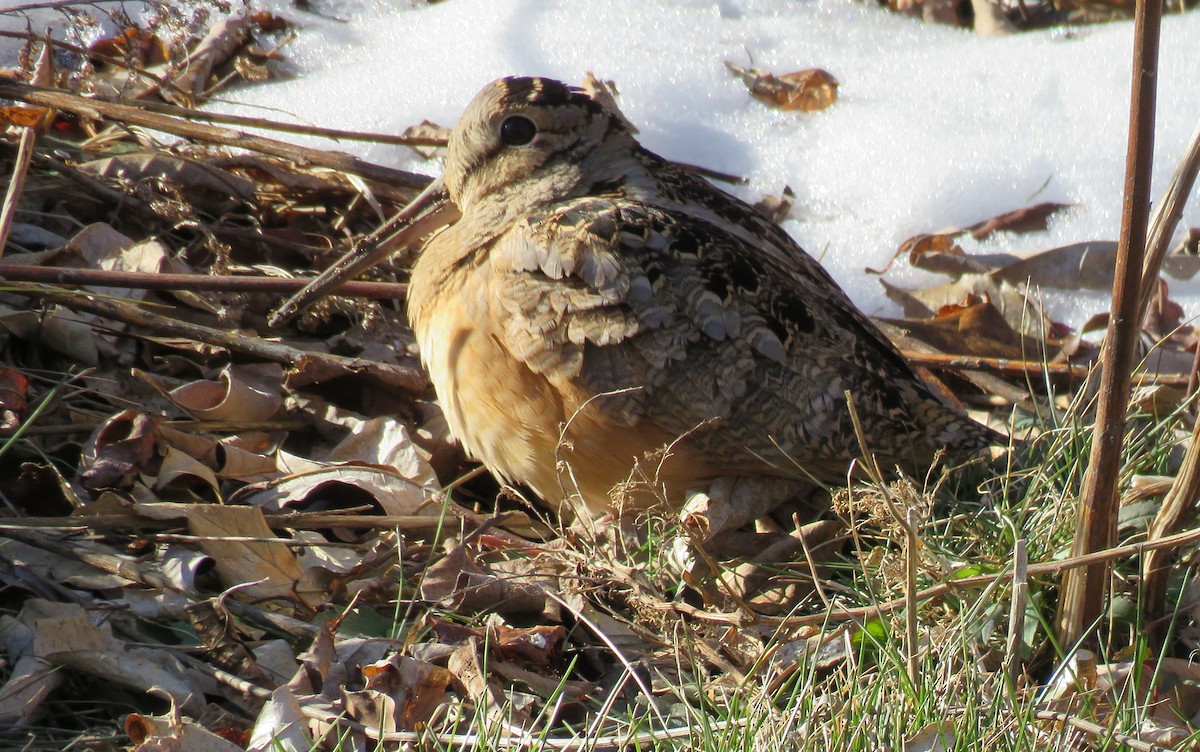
x: 533, y: 137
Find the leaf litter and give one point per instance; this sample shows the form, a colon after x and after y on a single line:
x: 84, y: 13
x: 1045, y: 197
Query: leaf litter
x: 244, y: 537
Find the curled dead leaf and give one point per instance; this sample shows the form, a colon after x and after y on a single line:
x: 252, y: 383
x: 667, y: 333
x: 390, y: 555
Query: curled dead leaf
x: 416, y: 687
x: 241, y: 392
x: 805, y: 90
x: 122, y: 447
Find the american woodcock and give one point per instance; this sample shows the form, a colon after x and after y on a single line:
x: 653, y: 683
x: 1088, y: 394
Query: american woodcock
x: 604, y: 326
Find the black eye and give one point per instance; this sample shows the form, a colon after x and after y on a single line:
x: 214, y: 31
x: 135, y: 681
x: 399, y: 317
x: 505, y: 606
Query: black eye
x: 517, y: 131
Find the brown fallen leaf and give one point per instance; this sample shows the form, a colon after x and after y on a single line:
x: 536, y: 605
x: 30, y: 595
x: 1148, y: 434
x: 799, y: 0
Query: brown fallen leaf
x: 416, y: 687
x: 1027, y: 219
x: 806, y: 90
x: 247, y: 552
x: 340, y: 486
x: 25, y: 117
x: 1189, y: 244
x: 940, y: 253
x: 251, y: 392
x: 976, y: 328
x: 200, y: 183
x: 463, y: 585
x: 123, y: 447
x: 427, y: 137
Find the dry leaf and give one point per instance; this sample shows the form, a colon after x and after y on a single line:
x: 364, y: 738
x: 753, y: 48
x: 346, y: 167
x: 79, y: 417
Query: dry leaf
x: 807, y: 90
x: 777, y: 208
x: 281, y: 725
x: 173, y: 734
x: 241, y: 392
x: 461, y: 584
x: 605, y: 93
x: 392, y: 493
x: 975, y: 329
x: 938, y: 736
x: 205, y: 185
x: 24, y: 117
x: 266, y: 565
x: 183, y: 474
x: 121, y: 448
x: 1028, y: 219
x: 138, y: 46
x: 416, y: 687
x: 940, y: 253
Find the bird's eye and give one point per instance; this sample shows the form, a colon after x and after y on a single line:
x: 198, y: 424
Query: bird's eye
x: 517, y: 131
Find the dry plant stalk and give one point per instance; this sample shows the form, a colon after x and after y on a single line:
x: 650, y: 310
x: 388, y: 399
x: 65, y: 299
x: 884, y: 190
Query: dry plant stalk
x: 1016, y: 614
x: 16, y: 184
x: 95, y: 108
x: 1180, y: 499
x: 1084, y: 591
x: 907, y: 520
x: 1167, y: 214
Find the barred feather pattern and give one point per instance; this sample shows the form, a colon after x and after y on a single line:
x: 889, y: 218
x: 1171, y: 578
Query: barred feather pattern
x: 596, y: 303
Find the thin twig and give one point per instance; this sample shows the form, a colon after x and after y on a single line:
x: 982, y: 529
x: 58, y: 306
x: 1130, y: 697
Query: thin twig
x: 194, y: 282
x: 334, y: 134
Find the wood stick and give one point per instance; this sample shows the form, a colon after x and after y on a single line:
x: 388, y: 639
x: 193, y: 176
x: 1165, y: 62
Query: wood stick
x: 193, y: 282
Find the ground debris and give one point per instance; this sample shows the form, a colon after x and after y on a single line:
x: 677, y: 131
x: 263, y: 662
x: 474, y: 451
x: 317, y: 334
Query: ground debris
x: 246, y: 536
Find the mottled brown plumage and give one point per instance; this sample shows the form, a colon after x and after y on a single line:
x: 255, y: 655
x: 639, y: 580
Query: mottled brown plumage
x: 596, y: 303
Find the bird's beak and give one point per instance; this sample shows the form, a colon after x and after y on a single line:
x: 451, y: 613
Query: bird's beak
x: 429, y: 211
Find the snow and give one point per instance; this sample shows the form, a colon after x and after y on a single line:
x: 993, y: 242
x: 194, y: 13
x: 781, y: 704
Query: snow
x: 934, y: 127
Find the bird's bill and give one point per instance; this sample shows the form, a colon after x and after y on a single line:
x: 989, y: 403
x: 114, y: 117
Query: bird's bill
x: 429, y: 211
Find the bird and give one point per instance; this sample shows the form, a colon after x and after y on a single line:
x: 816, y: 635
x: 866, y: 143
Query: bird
x: 610, y: 329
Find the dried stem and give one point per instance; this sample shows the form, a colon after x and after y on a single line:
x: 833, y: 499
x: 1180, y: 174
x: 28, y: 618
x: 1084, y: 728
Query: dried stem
x: 1084, y: 590
x: 879, y: 610
x: 315, y: 366
x: 907, y: 520
x: 123, y: 113
x: 16, y: 184
x: 193, y: 282
x: 1016, y: 614
x: 1166, y: 217
x: 1179, y: 502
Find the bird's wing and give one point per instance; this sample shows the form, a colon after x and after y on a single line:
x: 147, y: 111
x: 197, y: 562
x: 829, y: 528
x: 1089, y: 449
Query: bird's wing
x: 695, y: 324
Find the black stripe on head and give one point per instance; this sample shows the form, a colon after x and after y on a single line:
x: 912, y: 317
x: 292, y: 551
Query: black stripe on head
x: 545, y: 92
